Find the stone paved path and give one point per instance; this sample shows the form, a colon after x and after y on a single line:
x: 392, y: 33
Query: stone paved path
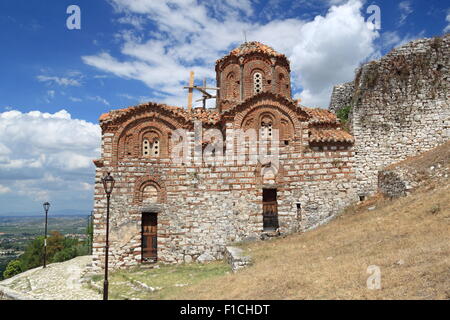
x: 59, y: 281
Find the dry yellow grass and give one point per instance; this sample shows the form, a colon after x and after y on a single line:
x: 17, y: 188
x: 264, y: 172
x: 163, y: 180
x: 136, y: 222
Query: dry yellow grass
x: 408, y: 238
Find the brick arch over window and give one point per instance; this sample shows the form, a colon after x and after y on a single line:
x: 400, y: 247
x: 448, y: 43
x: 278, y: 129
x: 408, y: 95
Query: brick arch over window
x: 261, y: 170
x: 137, y: 128
x: 129, y: 147
x: 253, y: 67
x: 290, y: 119
x: 270, y: 117
x: 149, y: 190
x: 232, y: 86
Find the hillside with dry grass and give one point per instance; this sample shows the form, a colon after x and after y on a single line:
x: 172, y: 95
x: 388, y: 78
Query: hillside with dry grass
x: 409, y: 239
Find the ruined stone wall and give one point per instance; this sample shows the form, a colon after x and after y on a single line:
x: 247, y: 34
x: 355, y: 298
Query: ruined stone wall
x: 401, y: 178
x: 401, y: 107
x: 342, y: 96
x: 205, y: 208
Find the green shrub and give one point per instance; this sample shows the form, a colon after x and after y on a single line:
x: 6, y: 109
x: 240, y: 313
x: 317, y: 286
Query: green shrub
x: 14, y: 267
x: 343, y: 113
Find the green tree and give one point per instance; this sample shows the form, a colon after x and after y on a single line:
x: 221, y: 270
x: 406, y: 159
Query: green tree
x: 65, y: 254
x: 55, y: 243
x: 14, y: 267
x: 33, y: 256
x: 59, y: 249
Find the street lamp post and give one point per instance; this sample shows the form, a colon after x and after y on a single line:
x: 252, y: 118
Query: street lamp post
x: 46, y: 208
x: 108, y: 185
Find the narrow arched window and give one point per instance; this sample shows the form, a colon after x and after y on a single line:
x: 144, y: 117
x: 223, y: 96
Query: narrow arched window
x: 257, y: 82
x: 266, y: 128
x: 155, y: 148
x: 146, y: 148
x: 281, y: 83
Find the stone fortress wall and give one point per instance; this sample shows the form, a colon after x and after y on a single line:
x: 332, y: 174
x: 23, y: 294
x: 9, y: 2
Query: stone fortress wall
x: 342, y: 96
x: 400, y: 106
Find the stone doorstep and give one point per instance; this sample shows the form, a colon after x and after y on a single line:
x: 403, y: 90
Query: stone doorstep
x: 236, y: 258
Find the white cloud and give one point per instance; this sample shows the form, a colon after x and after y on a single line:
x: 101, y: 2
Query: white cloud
x: 74, y: 99
x: 4, y: 189
x: 45, y: 155
x: 100, y: 99
x: 405, y: 11
x: 392, y: 39
x: 87, y: 186
x: 139, y: 99
x: 50, y: 95
x: 447, y: 28
x: 192, y: 36
x: 59, y: 80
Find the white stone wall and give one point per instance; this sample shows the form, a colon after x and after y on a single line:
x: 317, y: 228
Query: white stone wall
x: 342, y: 96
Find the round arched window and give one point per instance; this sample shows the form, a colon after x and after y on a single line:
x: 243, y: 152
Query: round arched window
x: 150, y: 195
x: 257, y: 82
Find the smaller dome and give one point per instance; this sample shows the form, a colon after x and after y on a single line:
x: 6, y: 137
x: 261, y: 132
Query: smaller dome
x: 253, y: 47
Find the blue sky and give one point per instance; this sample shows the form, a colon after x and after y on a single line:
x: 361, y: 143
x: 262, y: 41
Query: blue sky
x: 56, y: 82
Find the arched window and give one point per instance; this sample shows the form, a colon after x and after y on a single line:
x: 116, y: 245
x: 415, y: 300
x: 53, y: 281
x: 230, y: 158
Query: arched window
x: 266, y: 127
x: 128, y: 146
x: 257, y: 82
x: 151, y: 148
x: 232, y: 88
x: 155, y: 148
x: 146, y: 148
x: 281, y: 83
x: 150, y: 195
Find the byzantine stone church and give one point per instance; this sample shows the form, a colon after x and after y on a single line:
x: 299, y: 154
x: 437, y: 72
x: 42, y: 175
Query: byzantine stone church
x: 178, y: 212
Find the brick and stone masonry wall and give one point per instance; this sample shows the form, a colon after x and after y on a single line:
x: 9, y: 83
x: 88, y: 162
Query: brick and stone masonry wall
x: 401, y: 107
x: 205, y: 208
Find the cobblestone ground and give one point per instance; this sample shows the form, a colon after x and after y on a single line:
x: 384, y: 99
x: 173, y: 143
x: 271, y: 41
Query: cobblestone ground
x: 59, y: 281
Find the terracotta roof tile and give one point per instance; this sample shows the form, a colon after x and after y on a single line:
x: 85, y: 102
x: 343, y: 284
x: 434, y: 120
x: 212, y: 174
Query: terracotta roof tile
x: 320, y: 116
x: 252, y: 47
x: 329, y: 135
x: 205, y: 116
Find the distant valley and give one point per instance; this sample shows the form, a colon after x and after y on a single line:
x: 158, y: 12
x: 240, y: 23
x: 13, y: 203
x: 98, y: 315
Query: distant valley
x: 17, y: 231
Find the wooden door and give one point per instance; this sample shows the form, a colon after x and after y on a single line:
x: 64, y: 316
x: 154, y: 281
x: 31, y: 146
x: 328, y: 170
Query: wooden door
x: 270, y: 210
x: 149, y: 237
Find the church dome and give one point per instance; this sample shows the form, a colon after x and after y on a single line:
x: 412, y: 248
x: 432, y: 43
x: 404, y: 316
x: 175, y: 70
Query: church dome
x: 253, y: 47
